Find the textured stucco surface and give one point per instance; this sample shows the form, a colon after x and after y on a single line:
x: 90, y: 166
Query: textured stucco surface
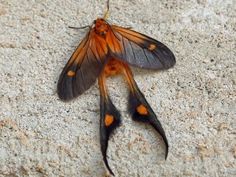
x: 41, y: 136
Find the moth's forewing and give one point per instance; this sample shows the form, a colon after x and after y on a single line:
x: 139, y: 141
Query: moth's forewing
x: 142, y: 51
x: 83, y: 68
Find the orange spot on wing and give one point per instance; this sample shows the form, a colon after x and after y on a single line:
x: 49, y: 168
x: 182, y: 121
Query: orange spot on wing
x: 152, y: 47
x: 109, y: 119
x: 70, y: 73
x: 141, y: 109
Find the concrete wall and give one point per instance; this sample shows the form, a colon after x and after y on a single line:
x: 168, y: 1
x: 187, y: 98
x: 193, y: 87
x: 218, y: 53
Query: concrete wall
x: 42, y: 136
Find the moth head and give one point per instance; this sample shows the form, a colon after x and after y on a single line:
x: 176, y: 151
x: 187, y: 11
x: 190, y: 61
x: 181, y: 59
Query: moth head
x: 101, y: 26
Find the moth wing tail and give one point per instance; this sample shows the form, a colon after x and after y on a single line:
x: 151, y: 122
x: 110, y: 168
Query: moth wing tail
x: 141, y: 111
x: 109, y: 121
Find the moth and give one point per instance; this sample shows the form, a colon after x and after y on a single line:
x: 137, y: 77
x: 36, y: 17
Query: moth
x: 109, y: 50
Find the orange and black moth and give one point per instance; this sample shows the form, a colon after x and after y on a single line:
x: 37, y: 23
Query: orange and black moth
x: 108, y: 50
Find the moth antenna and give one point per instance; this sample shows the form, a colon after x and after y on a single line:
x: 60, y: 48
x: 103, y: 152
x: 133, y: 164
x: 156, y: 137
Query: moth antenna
x: 82, y: 27
x: 106, y: 15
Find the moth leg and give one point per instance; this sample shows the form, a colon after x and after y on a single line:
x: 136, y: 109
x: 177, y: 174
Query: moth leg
x: 109, y: 118
x: 139, y: 108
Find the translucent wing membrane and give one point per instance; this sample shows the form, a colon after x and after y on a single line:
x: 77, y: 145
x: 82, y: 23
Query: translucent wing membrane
x: 142, y: 51
x: 83, y: 68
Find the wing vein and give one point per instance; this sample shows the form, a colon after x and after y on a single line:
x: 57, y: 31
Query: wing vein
x: 98, y: 61
x: 144, y: 51
x: 132, y: 50
x: 122, y: 38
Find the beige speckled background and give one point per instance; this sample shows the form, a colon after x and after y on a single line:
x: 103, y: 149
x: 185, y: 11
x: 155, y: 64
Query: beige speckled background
x: 40, y: 136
